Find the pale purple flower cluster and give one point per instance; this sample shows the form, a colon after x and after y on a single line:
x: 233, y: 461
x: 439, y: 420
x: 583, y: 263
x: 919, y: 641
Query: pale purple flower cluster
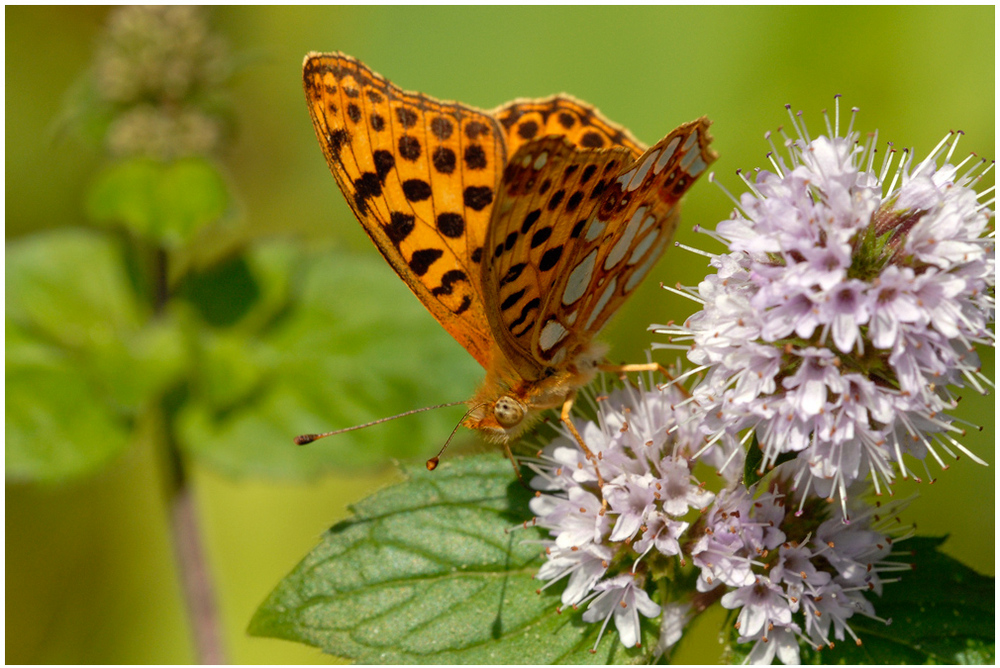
x: 849, y: 301
x: 793, y: 580
x: 646, y: 448
x: 752, y: 551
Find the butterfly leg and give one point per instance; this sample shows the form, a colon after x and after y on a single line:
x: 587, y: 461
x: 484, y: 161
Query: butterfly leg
x: 621, y: 369
x: 517, y: 469
x: 564, y: 416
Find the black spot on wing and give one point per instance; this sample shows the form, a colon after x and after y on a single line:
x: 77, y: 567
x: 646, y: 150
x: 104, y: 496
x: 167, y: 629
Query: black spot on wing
x: 478, y: 198
x: 474, y: 129
x: 511, y: 300
x: 533, y: 304
x: 399, y: 227
x: 528, y: 129
x: 452, y: 225
x: 541, y: 236
x: 464, y: 306
x: 409, y: 147
x: 337, y: 139
x: 366, y: 186
x: 574, y: 201
x: 530, y: 219
x: 556, y: 198
x: 384, y: 162
x: 475, y: 157
x: 592, y: 140
x: 448, y: 281
x: 512, y: 273
x: 407, y: 117
x: 423, y: 259
x: 444, y: 160
x: 442, y: 127
x: 416, y: 190
x: 550, y: 258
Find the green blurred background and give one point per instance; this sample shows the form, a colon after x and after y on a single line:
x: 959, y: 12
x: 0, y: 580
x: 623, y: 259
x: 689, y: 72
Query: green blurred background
x: 90, y: 570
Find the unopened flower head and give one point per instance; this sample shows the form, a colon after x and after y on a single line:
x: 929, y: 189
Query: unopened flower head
x: 159, y: 55
x: 849, y: 303
x: 160, y: 71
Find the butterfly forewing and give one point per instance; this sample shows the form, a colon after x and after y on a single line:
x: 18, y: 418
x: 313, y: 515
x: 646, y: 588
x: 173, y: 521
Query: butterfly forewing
x: 561, y: 115
x: 421, y: 176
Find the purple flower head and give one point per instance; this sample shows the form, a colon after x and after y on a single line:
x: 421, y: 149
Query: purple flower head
x: 849, y: 302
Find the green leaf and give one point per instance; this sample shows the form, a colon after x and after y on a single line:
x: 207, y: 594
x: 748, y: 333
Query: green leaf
x: 755, y: 458
x: 167, y: 203
x: 941, y: 612
x: 80, y: 360
x: 54, y: 428
x: 427, y: 572
x: 348, y: 345
x: 752, y: 463
x: 70, y: 287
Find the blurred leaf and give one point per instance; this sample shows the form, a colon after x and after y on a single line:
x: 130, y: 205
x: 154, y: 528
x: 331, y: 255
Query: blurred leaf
x: 224, y: 293
x: 349, y: 347
x: 80, y: 362
x: 427, y: 572
x: 140, y: 364
x: 941, y: 612
x: 70, y: 287
x: 54, y: 427
x: 166, y: 203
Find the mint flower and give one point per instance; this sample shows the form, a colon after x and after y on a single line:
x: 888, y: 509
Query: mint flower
x: 847, y: 309
x: 653, y: 542
x: 647, y: 446
x: 794, y: 577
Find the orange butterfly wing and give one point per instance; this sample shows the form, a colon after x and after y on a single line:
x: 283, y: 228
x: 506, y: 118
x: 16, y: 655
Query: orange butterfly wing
x: 420, y: 175
x: 574, y: 233
x: 561, y: 115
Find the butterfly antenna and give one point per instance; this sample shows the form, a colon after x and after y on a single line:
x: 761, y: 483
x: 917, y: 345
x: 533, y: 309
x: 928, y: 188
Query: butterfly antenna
x: 432, y: 463
x: 309, y: 438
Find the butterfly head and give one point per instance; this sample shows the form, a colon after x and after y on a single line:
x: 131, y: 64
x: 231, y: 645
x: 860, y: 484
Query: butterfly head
x: 502, y: 418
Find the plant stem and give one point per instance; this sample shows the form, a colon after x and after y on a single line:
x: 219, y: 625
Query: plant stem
x: 199, y: 594
x: 195, y: 575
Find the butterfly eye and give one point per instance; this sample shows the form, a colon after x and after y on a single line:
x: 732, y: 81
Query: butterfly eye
x: 508, y: 411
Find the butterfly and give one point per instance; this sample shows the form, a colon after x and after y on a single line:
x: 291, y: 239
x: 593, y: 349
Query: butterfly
x: 521, y: 229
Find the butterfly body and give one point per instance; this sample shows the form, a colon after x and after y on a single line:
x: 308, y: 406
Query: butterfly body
x: 522, y: 229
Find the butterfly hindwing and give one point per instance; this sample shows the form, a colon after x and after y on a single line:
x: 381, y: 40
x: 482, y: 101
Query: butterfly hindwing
x: 421, y: 176
x: 561, y: 115
x: 576, y: 276
x: 548, y: 193
x: 626, y: 235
